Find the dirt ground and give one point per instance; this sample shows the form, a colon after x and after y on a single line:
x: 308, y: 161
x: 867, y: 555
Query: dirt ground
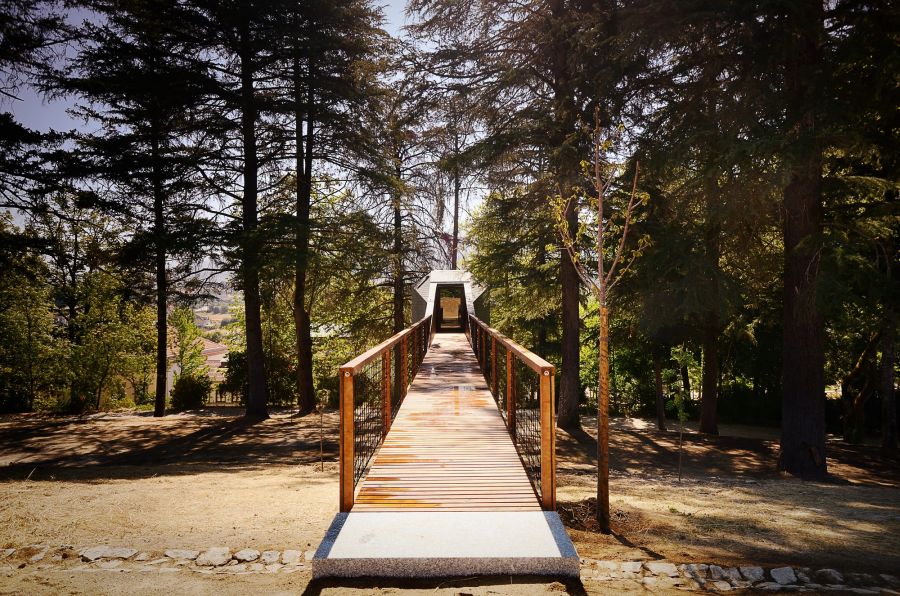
x: 213, y: 479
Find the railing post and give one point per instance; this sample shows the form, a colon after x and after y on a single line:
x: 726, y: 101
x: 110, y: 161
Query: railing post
x: 494, y: 365
x: 404, y: 367
x: 346, y: 426
x: 510, y: 395
x: 548, y: 441
x: 385, y: 392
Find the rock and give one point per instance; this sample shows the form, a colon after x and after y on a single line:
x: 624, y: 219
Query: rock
x: 120, y: 553
x: 273, y: 567
x: 177, y: 553
x: 39, y: 556
x: 768, y: 586
x: 106, y: 552
x: 721, y: 585
x: 662, y: 568
x: 696, y: 571
x: 215, y: 557
x: 729, y: 574
x: 270, y: 556
x: 753, y: 574
x: 256, y: 567
x: 649, y: 581
x: 157, y: 561
x: 783, y: 575
x: 887, y: 578
x: 247, y: 555
x: 142, y: 557
x: 292, y: 557
x: 689, y: 584
x: 632, y: 566
x: 860, y: 578
x: 92, y: 553
x: 239, y: 568
x: 803, y: 578
x: 829, y: 576
x: 863, y: 591
x: 6, y: 552
x: 111, y: 564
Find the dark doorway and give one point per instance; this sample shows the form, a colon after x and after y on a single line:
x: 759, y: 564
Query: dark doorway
x: 449, y: 308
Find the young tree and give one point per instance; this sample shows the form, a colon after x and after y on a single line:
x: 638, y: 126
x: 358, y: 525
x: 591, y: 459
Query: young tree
x: 600, y: 284
x: 187, y: 344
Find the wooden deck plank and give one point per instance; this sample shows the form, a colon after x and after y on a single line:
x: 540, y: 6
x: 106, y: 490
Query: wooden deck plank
x: 448, y: 448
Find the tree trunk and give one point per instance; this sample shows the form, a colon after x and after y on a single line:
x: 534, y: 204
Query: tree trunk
x: 803, y: 374
x: 162, y: 325
x: 303, y: 164
x: 686, y: 382
x: 710, y: 377
x: 454, y: 246
x: 257, y: 393
x: 888, y: 397
x: 710, y: 384
x: 566, y: 165
x: 660, y: 395
x: 603, y: 425
x: 569, y: 378
x: 399, y: 317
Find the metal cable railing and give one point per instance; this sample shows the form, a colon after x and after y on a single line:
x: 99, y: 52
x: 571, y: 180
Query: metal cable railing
x: 522, y: 385
x: 373, y: 386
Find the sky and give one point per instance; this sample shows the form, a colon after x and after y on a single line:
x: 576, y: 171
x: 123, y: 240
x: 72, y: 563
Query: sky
x: 36, y: 112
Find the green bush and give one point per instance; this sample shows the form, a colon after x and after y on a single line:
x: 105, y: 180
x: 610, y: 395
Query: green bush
x: 190, y: 392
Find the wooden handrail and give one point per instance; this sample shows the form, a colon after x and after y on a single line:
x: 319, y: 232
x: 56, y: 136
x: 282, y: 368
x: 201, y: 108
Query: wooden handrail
x: 486, y: 351
x: 355, y: 365
x: 532, y: 360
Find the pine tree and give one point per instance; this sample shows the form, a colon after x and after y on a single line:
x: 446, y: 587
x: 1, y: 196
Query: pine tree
x: 136, y: 79
x: 330, y: 64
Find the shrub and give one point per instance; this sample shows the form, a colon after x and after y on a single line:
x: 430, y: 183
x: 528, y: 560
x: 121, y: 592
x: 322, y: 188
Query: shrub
x: 190, y: 392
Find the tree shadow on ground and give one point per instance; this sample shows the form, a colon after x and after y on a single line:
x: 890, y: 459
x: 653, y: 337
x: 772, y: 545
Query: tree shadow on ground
x: 97, y: 447
x: 732, y: 506
x: 649, y: 451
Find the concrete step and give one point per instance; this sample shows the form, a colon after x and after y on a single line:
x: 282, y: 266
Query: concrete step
x: 445, y: 544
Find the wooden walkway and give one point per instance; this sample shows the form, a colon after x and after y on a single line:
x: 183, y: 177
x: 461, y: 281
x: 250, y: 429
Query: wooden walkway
x: 448, y: 448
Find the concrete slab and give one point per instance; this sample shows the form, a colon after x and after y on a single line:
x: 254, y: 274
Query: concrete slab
x: 445, y: 544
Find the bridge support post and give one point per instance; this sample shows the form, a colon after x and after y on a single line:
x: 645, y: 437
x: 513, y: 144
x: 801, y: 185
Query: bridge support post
x: 385, y: 393
x: 510, y: 395
x: 548, y: 441
x: 346, y: 429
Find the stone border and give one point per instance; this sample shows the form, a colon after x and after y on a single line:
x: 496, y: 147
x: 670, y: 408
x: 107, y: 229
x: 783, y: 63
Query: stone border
x: 710, y: 577
x: 651, y: 574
